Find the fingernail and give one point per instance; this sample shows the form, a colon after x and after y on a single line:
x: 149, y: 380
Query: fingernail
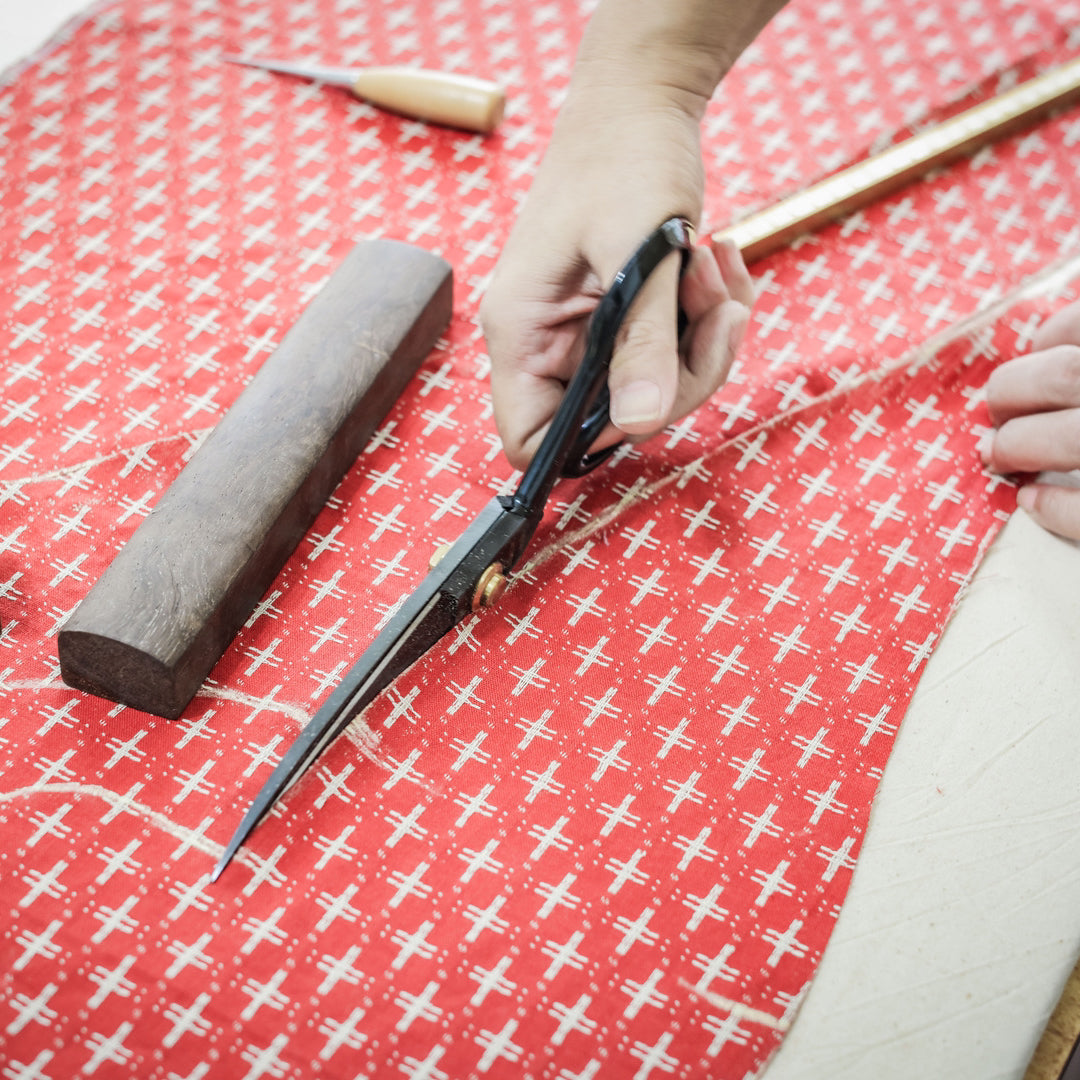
x: 984, y: 447
x: 636, y: 403
x: 1025, y: 498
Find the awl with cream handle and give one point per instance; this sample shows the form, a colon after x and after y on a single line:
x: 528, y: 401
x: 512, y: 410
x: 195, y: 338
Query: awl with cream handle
x: 439, y: 97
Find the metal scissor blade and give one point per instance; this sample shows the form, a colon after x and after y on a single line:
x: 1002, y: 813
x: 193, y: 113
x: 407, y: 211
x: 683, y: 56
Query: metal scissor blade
x: 416, y: 626
x: 331, y: 76
x: 443, y: 599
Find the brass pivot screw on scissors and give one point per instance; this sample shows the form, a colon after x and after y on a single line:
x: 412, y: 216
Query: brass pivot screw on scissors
x: 460, y: 101
x: 468, y: 575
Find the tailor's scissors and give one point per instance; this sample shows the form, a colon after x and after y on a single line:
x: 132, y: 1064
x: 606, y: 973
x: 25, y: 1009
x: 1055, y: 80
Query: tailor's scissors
x: 472, y: 573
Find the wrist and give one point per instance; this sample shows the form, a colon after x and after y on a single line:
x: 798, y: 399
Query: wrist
x: 605, y: 86
x: 676, y: 50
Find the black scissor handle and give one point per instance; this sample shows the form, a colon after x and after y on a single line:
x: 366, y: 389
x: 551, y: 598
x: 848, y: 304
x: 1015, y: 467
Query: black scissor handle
x: 675, y: 234
x: 583, y: 414
x: 580, y: 461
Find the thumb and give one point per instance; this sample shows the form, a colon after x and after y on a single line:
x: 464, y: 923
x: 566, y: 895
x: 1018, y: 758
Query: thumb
x: 644, y: 374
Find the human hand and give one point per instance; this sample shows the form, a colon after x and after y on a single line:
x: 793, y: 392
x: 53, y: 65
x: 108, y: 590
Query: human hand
x: 618, y: 164
x: 1034, y: 403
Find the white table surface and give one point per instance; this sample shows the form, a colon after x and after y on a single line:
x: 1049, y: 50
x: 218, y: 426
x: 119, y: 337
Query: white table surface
x: 963, y: 919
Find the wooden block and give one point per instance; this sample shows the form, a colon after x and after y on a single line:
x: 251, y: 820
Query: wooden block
x: 158, y: 619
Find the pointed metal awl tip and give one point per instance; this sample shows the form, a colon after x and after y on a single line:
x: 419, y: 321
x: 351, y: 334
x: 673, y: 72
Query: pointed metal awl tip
x: 244, y: 61
x: 332, y: 76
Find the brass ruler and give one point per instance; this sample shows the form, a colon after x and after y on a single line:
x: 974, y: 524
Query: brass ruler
x: 850, y: 189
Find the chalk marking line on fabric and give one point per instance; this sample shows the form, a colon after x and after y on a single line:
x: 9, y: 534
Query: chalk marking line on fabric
x: 736, y: 1008
x: 65, y: 472
x: 189, y: 837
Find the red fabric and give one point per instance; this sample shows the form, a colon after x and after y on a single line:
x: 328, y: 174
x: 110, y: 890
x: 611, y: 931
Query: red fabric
x: 606, y: 828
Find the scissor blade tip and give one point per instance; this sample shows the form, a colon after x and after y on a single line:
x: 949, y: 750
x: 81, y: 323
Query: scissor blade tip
x: 226, y: 858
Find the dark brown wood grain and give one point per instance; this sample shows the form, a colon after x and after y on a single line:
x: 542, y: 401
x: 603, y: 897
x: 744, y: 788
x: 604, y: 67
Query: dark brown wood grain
x: 158, y: 619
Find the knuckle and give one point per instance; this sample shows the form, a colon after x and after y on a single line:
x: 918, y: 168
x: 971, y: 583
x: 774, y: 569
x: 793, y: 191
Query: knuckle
x: 497, y: 303
x: 515, y: 451
x: 517, y: 457
x: 488, y: 311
